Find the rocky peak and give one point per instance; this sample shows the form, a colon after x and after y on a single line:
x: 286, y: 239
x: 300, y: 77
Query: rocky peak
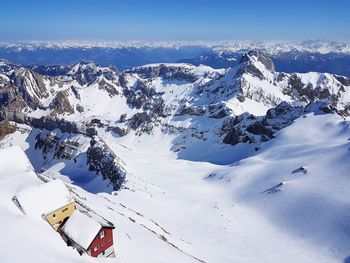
x: 84, y: 72
x: 31, y: 86
x: 255, y: 63
x: 259, y: 56
x: 89, y: 72
x: 84, y: 66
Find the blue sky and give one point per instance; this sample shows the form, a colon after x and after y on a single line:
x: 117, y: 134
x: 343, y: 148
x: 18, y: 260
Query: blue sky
x: 174, y: 20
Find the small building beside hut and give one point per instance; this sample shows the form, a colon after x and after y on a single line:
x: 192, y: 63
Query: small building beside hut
x: 90, y: 234
x: 51, y: 201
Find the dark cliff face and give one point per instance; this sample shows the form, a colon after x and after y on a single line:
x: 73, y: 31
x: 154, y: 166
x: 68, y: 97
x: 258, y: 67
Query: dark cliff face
x: 102, y: 159
x: 166, y: 71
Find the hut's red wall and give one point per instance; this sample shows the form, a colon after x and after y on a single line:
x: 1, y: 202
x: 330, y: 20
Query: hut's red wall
x: 102, y: 243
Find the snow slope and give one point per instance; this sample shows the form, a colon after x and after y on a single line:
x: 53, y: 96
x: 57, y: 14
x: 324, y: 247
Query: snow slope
x: 181, y: 210
x: 197, y: 206
x: 311, y: 203
x: 176, y: 194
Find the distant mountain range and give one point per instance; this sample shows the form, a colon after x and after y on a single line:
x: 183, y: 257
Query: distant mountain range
x: 305, y: 56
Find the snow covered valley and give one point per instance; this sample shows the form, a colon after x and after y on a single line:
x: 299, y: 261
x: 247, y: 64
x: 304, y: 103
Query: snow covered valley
x: 182, y: 211
x: 244, y: 165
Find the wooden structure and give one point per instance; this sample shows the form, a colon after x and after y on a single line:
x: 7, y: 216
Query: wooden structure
x: 51, y: 201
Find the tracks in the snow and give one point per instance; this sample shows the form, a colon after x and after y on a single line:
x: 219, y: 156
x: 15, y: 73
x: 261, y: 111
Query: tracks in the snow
x: 162, y: 236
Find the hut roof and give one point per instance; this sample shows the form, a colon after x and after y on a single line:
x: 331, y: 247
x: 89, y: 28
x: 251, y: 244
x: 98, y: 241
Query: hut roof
x: 44, y: 198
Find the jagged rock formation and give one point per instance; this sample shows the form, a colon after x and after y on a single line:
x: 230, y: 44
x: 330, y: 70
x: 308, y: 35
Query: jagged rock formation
x: 182, y: 72
x: 100, y: 158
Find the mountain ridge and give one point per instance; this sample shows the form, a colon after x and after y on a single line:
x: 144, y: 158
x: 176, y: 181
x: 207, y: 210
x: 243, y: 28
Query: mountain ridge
x: 200, y: 106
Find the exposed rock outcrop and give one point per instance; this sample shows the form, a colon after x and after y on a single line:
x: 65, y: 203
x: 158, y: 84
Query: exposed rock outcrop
x: 120, y: 131
x: 102, y: 159
x: 139, y: 119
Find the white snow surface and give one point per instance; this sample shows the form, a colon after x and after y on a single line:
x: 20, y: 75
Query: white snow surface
x: 81, y: 228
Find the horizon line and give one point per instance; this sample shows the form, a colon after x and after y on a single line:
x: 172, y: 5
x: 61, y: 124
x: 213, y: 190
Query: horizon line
x: 173, y: 41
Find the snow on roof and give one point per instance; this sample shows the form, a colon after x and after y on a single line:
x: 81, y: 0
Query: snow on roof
x: 44, y: 198
x: 81, y: 228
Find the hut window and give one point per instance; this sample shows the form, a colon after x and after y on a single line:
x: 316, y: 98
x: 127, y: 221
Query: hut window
x: 95, y: 248
x: 102, y: 243
x: 109, y: 239
x: 65, y: 209
x: 54, y: 215
x: 102, y: 234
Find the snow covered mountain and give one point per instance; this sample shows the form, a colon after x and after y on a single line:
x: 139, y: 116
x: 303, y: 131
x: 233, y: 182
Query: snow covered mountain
x: 247, y: 157
x: 198, y: 106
